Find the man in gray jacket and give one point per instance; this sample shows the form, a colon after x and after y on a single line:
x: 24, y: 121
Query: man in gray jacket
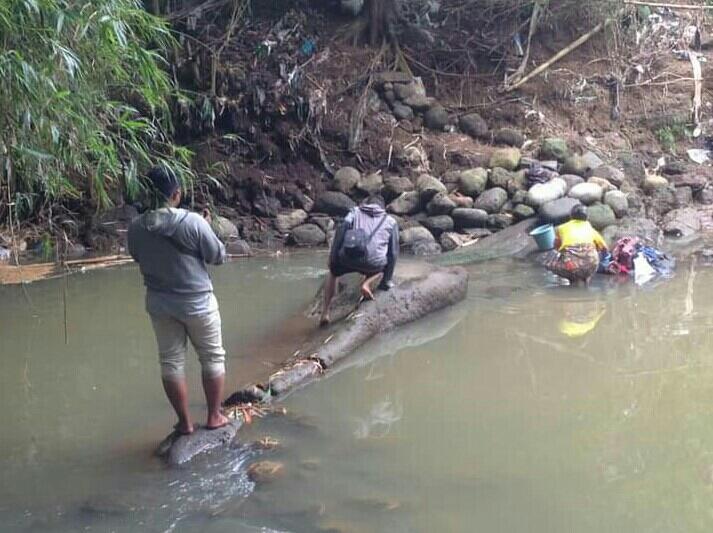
x: 172, y: 247
x: 381, y: 243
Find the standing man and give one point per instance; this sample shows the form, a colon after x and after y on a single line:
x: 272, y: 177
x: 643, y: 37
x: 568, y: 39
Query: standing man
x: 172, y: 247
x: 366, y: 242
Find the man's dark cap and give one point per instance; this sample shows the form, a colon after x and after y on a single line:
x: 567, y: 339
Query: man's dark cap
x: 164, y: 180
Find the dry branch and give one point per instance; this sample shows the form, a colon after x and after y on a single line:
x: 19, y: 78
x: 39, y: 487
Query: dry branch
x: 670, y: 6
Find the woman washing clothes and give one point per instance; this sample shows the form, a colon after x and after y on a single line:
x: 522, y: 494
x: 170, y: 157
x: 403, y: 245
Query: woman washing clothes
x: 578, y: 245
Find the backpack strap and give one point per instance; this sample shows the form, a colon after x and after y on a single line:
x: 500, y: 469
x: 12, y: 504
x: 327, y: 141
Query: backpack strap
x: 377, y: 228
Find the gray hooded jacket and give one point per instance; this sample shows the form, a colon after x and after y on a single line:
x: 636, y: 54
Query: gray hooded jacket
x: 172, y: 247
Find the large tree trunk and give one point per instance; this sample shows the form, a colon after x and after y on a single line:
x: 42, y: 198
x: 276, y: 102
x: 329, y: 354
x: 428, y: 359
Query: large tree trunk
x: 382, y: 14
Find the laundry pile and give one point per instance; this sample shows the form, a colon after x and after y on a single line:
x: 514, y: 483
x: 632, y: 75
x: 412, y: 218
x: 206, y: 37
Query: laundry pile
x: 631, y: 256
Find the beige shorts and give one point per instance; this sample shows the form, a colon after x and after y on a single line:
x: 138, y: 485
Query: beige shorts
x: 205, y: 334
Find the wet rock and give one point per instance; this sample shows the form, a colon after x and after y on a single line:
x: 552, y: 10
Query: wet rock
x: 575, y: 164
x: 73, y: 250
x: 469, y: 218
x: 346, y: 180
x: 499, y: 221
x: 694, y: 181
x: 394, y: 186
x: 325, y: 223
x: 284, y: 222
x: 450, y: 241
x: 405, y: 90
x: 618, y: 202
x: 682, y: 222
x: 601, y: 216
x: 473, y: 182
x: 509, y: 136
x: 265, y: 471
x: 522, y: 211
x: 334, y: 203
x: 402, y: 111
x: 473, y: 125
x: 450, y: 179
x: 554, y: 148
x: 224, y: 229
x: 542, y: 193
x: 440, y: 204
x: 419, y: 102
x: 390, y: 98
x: 436, y: 118
x: 371, y: 184
x: 653, y: 182
x: 612, y: 174
x: 428, y: 187
x: 499, y: 177
x: 684, y: 196
x: 492, y: 200
x: 706, y: 196
x: 425, y: 248
x: 409, y: 236
x: 477, y: 233
x: 266, y: 206
x: 307, y: 235
x: 571, y: 180
x: 557, y: 211
x: 238, y: 247
x: 605, y: 184
x: 406, y: 204
x: 662, y: 200
x: 592, y: 160
x: 518, y: 183
x: 439, y: 224
x: 519, y: 197
x: 640, y: 227
x: 461, y: 201
x: 587, y: 193
x: 507, y: 158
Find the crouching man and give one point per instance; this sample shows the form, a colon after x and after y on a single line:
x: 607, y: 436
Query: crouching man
x: 366, y: 242
x: 172, y: 247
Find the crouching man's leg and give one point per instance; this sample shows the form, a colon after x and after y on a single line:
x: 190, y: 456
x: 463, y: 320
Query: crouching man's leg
x: 207, y: 339
x: 367, y: 291
x: 330, y: 286
x: 171, y: 339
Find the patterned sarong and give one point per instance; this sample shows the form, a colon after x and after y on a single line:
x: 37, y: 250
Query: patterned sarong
x: 575, y: 263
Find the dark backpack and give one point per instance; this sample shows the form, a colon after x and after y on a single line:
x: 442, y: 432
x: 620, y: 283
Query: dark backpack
x: 356, y: 241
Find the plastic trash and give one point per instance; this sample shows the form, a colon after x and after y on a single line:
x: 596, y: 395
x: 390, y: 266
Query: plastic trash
x: 308, y: 47
x: 643, y: 272
x: 699, y: 155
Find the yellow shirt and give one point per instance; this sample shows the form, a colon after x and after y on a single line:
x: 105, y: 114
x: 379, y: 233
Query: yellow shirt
x: 577, y: 232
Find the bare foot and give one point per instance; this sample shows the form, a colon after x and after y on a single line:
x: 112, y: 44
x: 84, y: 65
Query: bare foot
x: 217, y: 421
x: 183, y: 428
x: 366, y: 292
x: 324, y: 321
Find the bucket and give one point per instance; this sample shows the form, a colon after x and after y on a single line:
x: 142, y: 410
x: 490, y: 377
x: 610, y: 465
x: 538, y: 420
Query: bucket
x: 544, y: 236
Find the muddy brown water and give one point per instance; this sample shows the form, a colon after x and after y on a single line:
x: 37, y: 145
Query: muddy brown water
x: 530, y: 407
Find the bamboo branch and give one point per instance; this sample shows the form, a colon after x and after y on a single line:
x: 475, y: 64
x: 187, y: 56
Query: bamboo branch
x: 671, y: 6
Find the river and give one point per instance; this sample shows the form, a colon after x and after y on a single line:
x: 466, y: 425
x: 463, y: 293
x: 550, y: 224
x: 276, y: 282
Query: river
x: 529, y: 407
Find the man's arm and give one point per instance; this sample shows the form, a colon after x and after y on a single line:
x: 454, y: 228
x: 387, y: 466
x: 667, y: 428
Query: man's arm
x: 131, y: 242
x: 391, y: 255
x: 339, y: 239
x: 211, y: 248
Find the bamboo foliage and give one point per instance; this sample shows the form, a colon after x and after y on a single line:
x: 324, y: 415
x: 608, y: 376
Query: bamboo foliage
x: 84, y: 101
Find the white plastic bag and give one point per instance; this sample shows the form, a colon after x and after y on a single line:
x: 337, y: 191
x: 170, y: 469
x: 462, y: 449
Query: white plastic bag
x: 643, y: 271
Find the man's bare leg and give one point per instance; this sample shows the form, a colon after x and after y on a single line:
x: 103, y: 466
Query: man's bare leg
x: 177, y: 394
x: 366, y: 291
x: 330, y: 285
x: 213, y: 388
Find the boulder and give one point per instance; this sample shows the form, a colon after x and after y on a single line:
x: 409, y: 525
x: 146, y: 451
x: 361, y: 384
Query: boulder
x: 662, y: 200
x: 284, y: 222
x: 518, y: 183
x: 265, y: 471
x: 405, y: 90
x: 371, y: 184
x: 682, y: 222
x: 451, y: 179
x: 394, y: 186
x: 519, y: 197
x: 640, y: 227
x: 684, y: 196
x: 592, y: 160
x: 402, y: 111
x: 439, y: 224
x: 522, y: 211
x: 469, y: 218
x: 587, y: 193
x: 419, y: 102
x: 390, y: 97
x: 706, y: 196
x: 436, y: 118
x: 575, y: 164
x: 618, y: 202
x: 334, y: 203
x: 605, y: 184
x: 554, y: 148
x: 509, y: 136
x: 238, y: 247
x: 612, y: 174
x: 425, y: 248
x: 507, y: 158
x: 492, y: 200
x: 653, y: 182
x: 323, y: 221
x: 473, y: 182
x: 407, y: 203
x: 440, y: 204
x: 346, y: 179
x: 409, y: 236
x: 571, y: 180
x: 542, y: 193
x: 428, y: 187
x: 499, y: 177
x: 303, y: 201
x: 461, y: 201
x: 307, y: 235
x: 266, y: 206
x: 601, y: 216
x: 557, y: 211
x: 473, y: 125
x: 225, y: 230
x: 499, y: 221
x: 450, y: 241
